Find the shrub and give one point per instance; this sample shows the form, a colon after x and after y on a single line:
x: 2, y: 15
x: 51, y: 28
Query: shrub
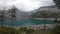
x: 56, y: 30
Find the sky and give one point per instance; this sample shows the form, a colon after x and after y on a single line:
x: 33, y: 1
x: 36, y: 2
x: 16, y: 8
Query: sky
x: 25, y: 5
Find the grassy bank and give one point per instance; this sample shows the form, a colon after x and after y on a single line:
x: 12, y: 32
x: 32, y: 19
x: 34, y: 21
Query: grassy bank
x: 25, y: 30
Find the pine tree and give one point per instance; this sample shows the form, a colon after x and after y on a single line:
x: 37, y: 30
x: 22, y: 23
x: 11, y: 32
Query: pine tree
x: 12, y: 12
x: 57, y: 2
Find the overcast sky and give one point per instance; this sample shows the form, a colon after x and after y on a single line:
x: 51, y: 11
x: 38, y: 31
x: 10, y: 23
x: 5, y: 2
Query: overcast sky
x: 26, y: 5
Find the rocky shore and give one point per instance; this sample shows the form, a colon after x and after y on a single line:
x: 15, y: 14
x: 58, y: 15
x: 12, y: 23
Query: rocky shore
x: 47, y: 26
x: 47, y: 18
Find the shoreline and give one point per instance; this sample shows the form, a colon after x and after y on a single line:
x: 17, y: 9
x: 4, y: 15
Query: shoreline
x: 48, y: 26
x: 47, y: 19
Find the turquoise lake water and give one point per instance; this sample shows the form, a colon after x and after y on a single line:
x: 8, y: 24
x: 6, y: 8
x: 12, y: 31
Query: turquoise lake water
x: 26, y: 22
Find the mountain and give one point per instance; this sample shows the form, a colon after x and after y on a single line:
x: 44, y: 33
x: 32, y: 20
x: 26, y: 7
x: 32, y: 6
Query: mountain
x: 19, y: 14
x: 46, y: 12
x: 22, y: 14
x: 47, y: 8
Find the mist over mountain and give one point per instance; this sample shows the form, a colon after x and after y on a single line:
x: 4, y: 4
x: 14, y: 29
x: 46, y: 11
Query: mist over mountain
x: 46, y: 12
x: 22, y: 14
x: 50, y: 8
x: 19, y: 14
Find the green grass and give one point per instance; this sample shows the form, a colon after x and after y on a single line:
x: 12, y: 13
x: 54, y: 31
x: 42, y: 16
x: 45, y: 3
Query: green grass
x: 22, y: 30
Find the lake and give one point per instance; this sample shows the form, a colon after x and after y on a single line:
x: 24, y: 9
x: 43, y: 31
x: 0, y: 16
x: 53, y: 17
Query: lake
x: 23, y: 22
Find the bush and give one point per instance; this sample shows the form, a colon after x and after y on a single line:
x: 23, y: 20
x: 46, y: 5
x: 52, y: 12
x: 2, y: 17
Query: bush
x: 9, y: 30
x: 5, y: 30
x: 56, y: 30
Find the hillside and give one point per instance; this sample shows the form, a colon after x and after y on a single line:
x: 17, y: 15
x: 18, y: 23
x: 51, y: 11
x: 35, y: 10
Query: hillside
x: 19, y: 14
x: 46, y: 12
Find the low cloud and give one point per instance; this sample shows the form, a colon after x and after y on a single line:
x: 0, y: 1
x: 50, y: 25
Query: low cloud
x: 26, y: 5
